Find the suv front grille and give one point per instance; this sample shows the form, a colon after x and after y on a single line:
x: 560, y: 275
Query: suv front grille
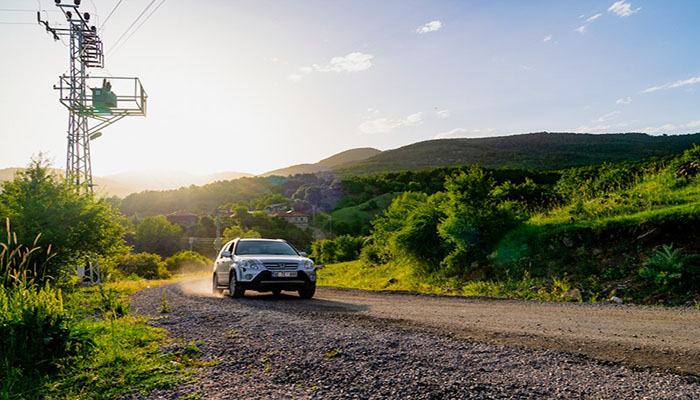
x: 281, y: 266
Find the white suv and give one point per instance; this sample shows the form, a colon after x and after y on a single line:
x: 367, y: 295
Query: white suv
x: 264, y: 265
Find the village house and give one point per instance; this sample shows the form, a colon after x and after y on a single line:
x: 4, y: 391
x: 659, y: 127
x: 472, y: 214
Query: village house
x: 301, y: 220
x: 182, y: 218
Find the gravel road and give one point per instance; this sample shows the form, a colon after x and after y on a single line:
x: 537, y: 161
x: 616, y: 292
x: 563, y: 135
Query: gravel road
x: 349, y: 344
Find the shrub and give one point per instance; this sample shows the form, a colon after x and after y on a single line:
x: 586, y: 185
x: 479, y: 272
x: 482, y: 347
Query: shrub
x: 186, y: 261
x: 340, y: 249
x: 477, y: 218
x: 35, y: 327
x: 145, y: 265
x: 668, y: 269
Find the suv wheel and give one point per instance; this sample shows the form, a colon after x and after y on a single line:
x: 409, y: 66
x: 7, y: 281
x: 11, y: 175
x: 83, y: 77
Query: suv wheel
x: 307, y: 293
x: 215, y: 286
x: 234, y: 289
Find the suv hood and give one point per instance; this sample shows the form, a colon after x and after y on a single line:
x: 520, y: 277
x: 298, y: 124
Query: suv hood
x: 273, y: 258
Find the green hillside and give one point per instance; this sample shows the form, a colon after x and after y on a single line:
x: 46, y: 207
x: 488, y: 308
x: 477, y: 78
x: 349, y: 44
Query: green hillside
x: 533, y: 151
x: 345, y: 219
x: 345, y: 158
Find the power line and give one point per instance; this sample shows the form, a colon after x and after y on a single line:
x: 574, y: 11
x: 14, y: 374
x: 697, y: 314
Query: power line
x: 24, y: 10
x: 140, y: 25
x: 132, y: 24
x: 110, y: 14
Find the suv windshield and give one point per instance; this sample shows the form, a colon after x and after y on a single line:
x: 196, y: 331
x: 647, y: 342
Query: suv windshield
x: 259, y: 247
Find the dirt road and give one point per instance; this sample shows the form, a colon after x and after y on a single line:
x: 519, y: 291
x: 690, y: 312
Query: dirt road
x: 356, y: 344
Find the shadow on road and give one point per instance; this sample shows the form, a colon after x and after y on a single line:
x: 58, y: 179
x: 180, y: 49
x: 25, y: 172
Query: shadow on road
x: 292, y: 302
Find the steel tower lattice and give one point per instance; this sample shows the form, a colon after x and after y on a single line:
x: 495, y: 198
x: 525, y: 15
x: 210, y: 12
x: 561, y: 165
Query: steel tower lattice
x: 103, y: 106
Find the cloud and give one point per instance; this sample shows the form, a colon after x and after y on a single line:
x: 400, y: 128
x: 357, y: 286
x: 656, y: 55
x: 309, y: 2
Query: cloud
x: 431, y: 26
x: 353, y: 62
x: 385, y: 125
x: 462, y: 132
x: 677, y: 84
x: 622, y: 9
x: 608, y: 116
x: 624, y: 101
x: 547, y: 38
x: 581, y: 29
x: 671, y: 128
x: 442, y: 114
x: 607, y: 128
x: 593, y: 18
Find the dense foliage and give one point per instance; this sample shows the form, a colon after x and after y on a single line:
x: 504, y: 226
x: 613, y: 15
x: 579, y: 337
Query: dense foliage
x: 186, y: 262
x: 49, y: 214
x: 341, y: 248
x: 143, y: 265
x: 157, y: 235
x: 596, y: 225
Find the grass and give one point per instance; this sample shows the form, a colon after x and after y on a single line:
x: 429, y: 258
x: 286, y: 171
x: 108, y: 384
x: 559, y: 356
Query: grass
x: 397, y: 277
x: 127, y: 356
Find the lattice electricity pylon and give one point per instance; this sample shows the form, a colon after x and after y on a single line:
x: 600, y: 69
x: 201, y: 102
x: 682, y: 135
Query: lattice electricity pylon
x: 103, y: 106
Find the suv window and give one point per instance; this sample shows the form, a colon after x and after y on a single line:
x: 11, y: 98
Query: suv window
x: 227, y: 247
x: 260, y: 247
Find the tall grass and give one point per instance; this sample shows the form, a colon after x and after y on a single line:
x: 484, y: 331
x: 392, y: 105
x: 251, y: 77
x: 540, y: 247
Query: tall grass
x: 35, y: 327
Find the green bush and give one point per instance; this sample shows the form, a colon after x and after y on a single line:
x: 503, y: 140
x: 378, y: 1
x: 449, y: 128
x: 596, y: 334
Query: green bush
x: 35, y: 328
x: 669, y: 270
x: 187, y: 261
x: 340, y: 249
x: 145, y: 265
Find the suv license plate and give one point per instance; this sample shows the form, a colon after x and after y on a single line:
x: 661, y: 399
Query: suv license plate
x: 286, y: 274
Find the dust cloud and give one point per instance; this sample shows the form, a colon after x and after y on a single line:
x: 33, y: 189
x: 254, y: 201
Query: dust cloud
x: 197, y: 287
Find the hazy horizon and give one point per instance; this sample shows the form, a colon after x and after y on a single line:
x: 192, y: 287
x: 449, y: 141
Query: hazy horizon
x: 253, y: 86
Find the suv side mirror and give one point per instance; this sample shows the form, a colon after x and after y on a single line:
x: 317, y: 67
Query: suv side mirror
x: 225, y: 254
x: 303, y: 254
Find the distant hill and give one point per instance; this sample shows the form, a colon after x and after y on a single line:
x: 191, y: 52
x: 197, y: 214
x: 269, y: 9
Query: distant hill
x: 535, y: 151
x: 345, y: 158
x: 123, y: 184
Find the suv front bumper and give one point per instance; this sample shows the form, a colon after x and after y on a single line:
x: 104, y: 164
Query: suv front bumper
x: 264, y: 282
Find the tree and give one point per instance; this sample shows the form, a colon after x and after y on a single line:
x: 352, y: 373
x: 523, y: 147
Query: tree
x: 237, y: 231
x: 74, y: 226
x: 158, y: 235
x: 476, y: 218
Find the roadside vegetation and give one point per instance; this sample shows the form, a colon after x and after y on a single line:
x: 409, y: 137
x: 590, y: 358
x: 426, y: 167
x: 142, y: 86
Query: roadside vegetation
x: 625, y: 230
x: 64, y: 341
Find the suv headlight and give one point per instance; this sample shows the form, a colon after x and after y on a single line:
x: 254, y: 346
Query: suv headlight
x: 251, y: 264
x: 307, y: 264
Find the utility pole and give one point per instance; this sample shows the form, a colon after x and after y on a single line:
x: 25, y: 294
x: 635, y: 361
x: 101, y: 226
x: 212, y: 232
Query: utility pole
x: 88, y: 113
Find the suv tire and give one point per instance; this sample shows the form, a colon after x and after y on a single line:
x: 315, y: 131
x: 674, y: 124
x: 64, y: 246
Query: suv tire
x: 215, y: 286
x: 307, y: 293
x: 234, y: 289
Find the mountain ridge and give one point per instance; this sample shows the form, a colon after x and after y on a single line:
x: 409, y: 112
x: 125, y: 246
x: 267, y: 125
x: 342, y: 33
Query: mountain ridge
x: 347, y: 157
x: 534, y: 151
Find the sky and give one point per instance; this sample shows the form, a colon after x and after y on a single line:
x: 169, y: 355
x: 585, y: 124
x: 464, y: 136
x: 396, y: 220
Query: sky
x: 257, y: 85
